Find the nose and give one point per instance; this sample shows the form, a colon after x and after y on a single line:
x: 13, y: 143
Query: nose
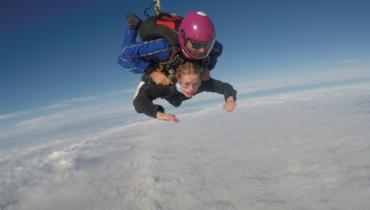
x: 191, y: 88
x: 202, y: 50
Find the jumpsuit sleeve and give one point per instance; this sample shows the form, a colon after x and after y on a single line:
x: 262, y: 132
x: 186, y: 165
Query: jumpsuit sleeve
x: 137, y: 56
x: 143, y: 102
x: 217, y: 86
x: 214, y: 54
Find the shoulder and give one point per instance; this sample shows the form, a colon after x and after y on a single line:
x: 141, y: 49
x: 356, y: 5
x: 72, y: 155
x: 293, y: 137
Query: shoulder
x: 217, y: 49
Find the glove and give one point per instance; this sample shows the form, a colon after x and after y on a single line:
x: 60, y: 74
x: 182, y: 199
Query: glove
x: 133, y: 21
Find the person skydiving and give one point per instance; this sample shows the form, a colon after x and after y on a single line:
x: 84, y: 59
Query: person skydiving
x: 188, y: 84
x: 170, y: 46
x: 163, y: 49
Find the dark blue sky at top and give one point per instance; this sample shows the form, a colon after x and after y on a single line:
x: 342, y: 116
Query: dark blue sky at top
x: 56, y: 50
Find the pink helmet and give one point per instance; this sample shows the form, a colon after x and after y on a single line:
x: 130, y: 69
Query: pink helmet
x: 197, y: 28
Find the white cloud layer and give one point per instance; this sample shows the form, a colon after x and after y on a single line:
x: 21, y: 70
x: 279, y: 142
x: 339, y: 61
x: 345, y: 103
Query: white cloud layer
x: 307, y: 150
x: 12, y: 115
x: 71, y: 103
x: 333, y: 77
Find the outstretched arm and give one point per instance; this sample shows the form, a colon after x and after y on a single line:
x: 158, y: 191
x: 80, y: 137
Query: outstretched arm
x: 223, y: 88
x: 143, y: 102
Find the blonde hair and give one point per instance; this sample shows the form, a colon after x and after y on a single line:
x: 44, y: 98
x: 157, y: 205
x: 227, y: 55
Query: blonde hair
x: 188, y: 68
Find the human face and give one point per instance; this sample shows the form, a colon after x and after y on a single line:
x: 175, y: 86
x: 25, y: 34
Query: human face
x: 189, y: 84
x: 199, y: 49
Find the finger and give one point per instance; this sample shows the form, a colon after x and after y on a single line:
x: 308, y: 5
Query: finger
x: 228, y: 107
x: 157, y: 81
x: 174, y: 118
x: 164, y: 81
x: 167, y: 117
x: 168, y: 81
x: 231, y: 108
x: 224, y: 107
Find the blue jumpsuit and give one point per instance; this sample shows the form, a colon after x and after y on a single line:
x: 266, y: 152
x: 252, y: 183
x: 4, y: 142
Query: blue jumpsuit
x: 137, y: 56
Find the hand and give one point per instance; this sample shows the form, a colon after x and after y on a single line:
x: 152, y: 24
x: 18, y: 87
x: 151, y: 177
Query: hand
x: 159, y: 78
x: 167, y: 117
x: 229, y: 105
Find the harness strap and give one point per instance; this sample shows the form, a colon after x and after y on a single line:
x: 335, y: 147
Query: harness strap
x: 157, y: 7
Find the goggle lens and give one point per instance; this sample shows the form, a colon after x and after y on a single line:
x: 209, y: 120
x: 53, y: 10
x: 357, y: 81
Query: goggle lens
x: 198, y: 45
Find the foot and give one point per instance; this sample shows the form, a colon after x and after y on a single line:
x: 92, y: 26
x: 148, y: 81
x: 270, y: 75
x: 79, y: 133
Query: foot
x: 133, y: 21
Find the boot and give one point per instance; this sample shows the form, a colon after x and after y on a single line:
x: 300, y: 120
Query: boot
x: 133, y: 21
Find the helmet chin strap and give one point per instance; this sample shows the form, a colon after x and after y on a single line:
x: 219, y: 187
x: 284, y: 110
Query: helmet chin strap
x: 186, y: 54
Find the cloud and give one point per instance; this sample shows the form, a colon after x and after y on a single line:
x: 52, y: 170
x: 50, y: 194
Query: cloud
x: 69, y: 116
x: 348, y: 61
x: 82, y: 99
x: 69, y: 102
x: 12, y: 115
x: 58, y: 105
x: 309, y: 81
x: 295, y: 150
x: 61, y: 160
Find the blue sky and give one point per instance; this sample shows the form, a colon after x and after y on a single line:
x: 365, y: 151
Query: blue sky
x: 63, y: 53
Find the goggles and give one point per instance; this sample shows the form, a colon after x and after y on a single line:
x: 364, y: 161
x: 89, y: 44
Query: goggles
x: 188, y: 84
x: 198, y: 45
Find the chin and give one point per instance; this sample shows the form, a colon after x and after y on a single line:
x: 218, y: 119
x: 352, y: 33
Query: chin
x: 188, y: 95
